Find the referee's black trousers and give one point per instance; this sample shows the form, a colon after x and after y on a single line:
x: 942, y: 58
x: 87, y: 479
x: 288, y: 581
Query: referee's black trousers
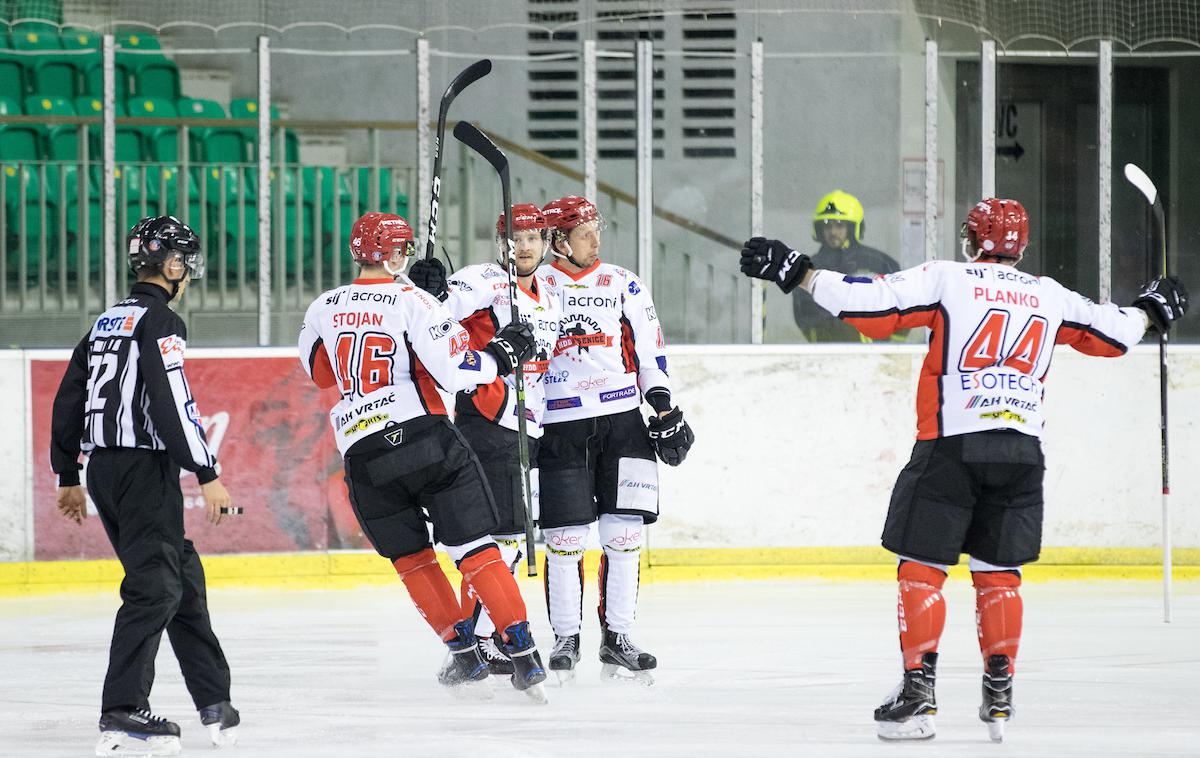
x: 140, y: 503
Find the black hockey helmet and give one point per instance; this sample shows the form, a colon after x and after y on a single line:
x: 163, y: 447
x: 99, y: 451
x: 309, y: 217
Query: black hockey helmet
x: 154, y: 239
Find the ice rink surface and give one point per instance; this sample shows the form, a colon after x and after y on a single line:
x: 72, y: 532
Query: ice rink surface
x: 756, y: 668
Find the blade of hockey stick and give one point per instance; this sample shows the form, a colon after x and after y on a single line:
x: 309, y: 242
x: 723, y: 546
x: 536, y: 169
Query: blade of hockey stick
x: 470, y: 136
x: 465, y: 78
x: 1139, y: 179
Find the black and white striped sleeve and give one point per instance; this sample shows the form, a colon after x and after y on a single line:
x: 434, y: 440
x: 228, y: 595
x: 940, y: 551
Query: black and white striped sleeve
x: 172, y: 408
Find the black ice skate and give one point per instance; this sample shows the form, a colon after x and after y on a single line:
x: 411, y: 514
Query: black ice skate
x: 528, y: 672
x: 492, y: 651
x: 137, y: 731
x: 464, y: 670
x: 563, y: 658
x: 997, y: 706
x: 619, y: 655
x: 222, y: 721
x: 908, y: 712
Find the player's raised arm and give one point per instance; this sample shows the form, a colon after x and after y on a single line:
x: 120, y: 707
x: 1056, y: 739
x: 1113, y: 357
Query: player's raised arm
x: 1107, y: 330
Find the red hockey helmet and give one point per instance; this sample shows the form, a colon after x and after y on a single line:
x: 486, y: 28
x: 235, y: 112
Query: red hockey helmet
x: 996, y: 227
x: 566, y: 213
x: 525, y: 216
x: 375, y: 236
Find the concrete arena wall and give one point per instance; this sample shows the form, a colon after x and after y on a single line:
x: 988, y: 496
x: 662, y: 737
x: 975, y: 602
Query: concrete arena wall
x: 799, y: 446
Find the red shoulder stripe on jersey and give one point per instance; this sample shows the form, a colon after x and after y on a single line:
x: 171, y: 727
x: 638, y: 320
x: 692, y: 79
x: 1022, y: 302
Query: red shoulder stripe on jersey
x: 481, y: 325
x: 628, y: 353
x: 1088, y: 341
x: 533, y: 293
x: 929, y: 385
x: 426, y: 387
x: 590, y: 269
x: 320, y: 366
x: 883, y: 324
x: 374, y: 281
x: 491, y: 400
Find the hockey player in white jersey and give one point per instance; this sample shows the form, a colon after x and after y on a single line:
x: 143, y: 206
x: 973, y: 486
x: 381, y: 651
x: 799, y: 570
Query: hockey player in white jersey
x: 386, y: 346
x: 596, y: 458
x: 974, y: 483
x: 478, y: 296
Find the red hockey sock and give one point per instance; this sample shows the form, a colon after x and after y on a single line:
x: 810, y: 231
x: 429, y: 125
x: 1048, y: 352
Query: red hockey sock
x: 493, y: 583
x: 998, y: 610
x: 430, y: 591
x: 921, y: 610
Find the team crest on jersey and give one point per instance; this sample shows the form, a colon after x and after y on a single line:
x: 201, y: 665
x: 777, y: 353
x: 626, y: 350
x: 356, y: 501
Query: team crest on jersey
x: 583, y: 333
x: 634, y: 288
x: 470, y: 361
x: 604, y: 280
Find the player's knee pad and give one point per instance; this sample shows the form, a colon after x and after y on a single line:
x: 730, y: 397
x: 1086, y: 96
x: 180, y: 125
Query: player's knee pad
x: 512, y: 548
x: 621, y: 535
x: 994, y: 580
x: 407, y: 564
x: 911, y: 572
x: 458, y: 552
x: 566, y: 543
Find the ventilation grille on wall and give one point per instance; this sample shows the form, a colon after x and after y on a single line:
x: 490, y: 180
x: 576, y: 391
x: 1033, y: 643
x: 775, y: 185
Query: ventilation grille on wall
x: 702, y: 95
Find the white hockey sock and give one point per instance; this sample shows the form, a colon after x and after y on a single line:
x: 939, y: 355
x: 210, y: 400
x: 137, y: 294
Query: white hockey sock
x: 512, y: 549
x: 564, y: 577
x: 621, y: 537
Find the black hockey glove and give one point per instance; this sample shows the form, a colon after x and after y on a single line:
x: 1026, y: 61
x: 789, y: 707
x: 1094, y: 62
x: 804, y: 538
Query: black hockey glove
x: 429, y: 275
x: 671, y: 436
x: 774, y: 261
x: 514, y: 345
x: 1164, y: 300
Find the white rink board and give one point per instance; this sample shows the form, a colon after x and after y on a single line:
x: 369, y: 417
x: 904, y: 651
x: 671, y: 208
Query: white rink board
x: 800, y: 446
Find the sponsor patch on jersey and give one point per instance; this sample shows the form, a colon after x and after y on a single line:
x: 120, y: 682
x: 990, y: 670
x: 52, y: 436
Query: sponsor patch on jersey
x: 556, y: 377
x: 856, y: 279
x: 637, y: 485
x: 471, y: 361
x: 633, y: 288
x: 575, y: 286
x: 604, y: 280
x: 395, y: 438
x: 492, y: 273
x: 449, y: 326
x: 651, y: 314
x: 463, y: 286
x: 563, y: 403
x: 528, y: 414
x: 363, y: 423
x: 661, y: 360
x: 608, y: 397
x: 171, y: 348
x: 116, y: 322
x: 1004, y: 415
x: 192, y: 413
x: 659, y: 342
x: 590, y: 383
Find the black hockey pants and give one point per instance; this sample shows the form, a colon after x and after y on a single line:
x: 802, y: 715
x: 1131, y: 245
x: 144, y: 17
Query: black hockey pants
x: 141, y: 506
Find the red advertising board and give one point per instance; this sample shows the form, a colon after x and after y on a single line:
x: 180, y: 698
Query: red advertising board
x: 270, y: 430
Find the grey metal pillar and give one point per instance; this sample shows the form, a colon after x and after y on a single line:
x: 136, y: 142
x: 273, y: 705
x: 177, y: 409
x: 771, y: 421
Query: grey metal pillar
x: 109, y: 150
x: 423, y: 168
x: 589, y: 119
x: 1104, y: 131
x: 645, y: 159
x: 264, y: 191
x: 931, y: 113
x: 757, y: 293
x: 987, y: 127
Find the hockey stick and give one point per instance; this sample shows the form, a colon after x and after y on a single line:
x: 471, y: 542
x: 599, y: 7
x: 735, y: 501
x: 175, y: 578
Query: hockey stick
x: 477, y: 141
x: 1138, y: 179
x: 466, y: 77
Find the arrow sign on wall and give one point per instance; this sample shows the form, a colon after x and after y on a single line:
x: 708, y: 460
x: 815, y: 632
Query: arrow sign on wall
x: 1014, y: 151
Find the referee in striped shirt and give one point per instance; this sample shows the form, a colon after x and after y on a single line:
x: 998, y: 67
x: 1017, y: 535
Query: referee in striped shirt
x: 125, y: 402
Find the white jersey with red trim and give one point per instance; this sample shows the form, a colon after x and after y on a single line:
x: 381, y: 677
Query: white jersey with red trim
x: 479, y: 298
x: 992, y: 333
x: 610, y: 349
x: 391, y: 347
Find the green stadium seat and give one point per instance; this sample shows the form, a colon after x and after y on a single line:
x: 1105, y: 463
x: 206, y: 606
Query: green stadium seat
x: 158, y: 78
x: 80, y: 39
x: 220, y: 145
x: 12, y: 76
x: 56, y: 75
x: 62, y: 140
x: 137, y: 40
x: 35, y: 35
x: 247, y: 108
x: 161, y: 142
x: 199, y: 108
x: 93, y: 79
x: 21, y: 142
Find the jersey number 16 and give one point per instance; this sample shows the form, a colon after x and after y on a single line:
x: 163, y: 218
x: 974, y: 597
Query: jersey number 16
x: 364, y: 362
